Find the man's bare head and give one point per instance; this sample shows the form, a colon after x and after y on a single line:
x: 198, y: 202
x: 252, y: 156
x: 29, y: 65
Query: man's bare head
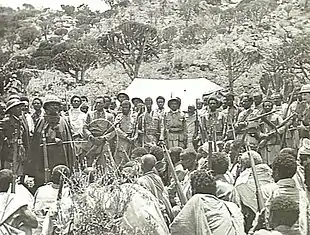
x: 148, y: 162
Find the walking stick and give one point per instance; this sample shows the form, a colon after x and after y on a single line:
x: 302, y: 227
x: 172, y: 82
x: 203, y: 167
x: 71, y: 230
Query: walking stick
x: 181, y: 195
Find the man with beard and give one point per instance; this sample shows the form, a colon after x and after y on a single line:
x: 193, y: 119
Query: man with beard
x: 149, y: 124
x: 14, y: 134
x: 50, y: 133
x: 98, y: 130
x: 213, y: 120
x: 174, y: 130
x: 126, y: 131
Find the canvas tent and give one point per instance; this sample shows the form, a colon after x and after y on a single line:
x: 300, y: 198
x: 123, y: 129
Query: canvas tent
x: 187, y: 89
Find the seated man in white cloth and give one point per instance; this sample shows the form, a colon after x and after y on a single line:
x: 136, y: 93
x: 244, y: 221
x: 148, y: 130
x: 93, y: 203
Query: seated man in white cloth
x: 15, y: 216
x: 46, y: 195
x: 204, y: 213
x: 246, y: 188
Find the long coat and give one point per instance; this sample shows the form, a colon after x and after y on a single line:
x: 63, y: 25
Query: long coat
x: 56, y: 154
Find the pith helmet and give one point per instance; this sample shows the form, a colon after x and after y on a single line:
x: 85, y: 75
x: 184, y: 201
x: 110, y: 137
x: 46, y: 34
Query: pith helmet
x: 51, y: 99
x: 13, y: 103
x: 305, y: 89
x: 174, y: 99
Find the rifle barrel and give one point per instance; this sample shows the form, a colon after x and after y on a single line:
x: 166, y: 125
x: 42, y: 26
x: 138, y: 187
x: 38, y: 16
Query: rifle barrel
x: 174, y: 175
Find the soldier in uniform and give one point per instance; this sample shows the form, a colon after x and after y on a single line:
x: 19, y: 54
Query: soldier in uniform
x: 304, y: 111
x: 230, y: 117
x: 213, y: 121
x: 121, y: 96
x: 174, y: 130
x: 135, y: 102
x: 99, y: 131
x: 272, y: 146
x: 14, y: 136
x: 149, y: 124
x: 247, y: 130
x: 126, y: 131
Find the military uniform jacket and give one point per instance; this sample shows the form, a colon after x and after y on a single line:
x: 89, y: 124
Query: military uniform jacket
x: 8, y: 125
x: 174, y: 123
x: 126, y: 125
x: 244, y: 116
x: 150, y: 123
x: 214, y: 121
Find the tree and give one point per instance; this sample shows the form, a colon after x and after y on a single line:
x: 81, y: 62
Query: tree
x: 61, y: 31
x: 287, y: 61
x: 188, y: 8
x: 236, y: 62
x: 69, y: 10
x: 75, y: 62
x: 130, y: 44
x: 27, y: 35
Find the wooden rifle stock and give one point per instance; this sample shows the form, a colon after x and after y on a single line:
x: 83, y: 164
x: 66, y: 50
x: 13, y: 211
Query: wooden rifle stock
x: 200, y: 128
x: 45, y: 157
x: 15, y: 155
x: 181, y: 195
x: 61, y: 185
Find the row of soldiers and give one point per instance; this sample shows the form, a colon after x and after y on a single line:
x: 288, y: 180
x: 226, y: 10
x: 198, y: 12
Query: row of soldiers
x: 110, y: 133
x: 134, y: 135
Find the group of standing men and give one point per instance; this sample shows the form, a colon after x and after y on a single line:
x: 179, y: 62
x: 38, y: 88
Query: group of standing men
x: 211, y: 134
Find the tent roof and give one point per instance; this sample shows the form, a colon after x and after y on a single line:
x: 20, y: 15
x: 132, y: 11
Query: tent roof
x: 187, y: 89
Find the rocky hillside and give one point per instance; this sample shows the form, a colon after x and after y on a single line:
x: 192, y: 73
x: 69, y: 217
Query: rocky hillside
x: 241, y: 45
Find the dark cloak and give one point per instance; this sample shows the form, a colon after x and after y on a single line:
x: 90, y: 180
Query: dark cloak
x: 57, y: 154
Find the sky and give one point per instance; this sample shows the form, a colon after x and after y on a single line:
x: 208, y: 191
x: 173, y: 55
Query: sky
x: 55, y: 4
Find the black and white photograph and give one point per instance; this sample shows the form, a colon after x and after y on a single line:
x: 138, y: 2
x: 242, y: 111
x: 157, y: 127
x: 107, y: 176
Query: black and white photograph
x: 154, y: 117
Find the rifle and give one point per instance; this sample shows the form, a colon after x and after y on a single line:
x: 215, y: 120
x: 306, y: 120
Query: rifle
x: 181, y: 195
x: 134, y: 130
x: 15, y: 155
x: 264, y: 141
x: 61, y: 185
x: 261, y: 116
x: 199, y: 129
x: 283, y: 142
x: 45, y: 157
x: 259, y: 194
